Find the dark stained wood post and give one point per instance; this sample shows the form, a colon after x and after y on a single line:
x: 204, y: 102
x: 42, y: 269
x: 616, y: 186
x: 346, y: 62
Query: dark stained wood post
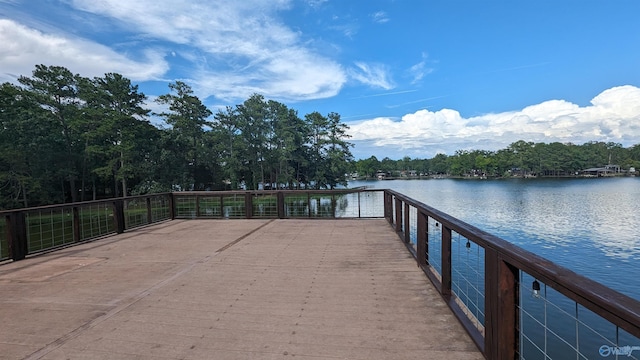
x: 501, y: 312
x: 149, y: 213
x: 407, y: 224
x: 387, y: 207
x: 76, y: 224
x: 385, y: 203
x: 446, y: 262
x: 421, y: 240
x: 17, y: 231
x: 398, y: 217
x: 280, y: 204
x: 172, y: 207
x: 118, y: 215
x: 197, y: 206
x: 248, y: 205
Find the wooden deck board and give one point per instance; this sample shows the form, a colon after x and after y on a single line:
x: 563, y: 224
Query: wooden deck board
x: 229, y: 289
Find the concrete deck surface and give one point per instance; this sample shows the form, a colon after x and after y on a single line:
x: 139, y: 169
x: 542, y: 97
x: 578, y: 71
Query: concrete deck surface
x: 229, y: 289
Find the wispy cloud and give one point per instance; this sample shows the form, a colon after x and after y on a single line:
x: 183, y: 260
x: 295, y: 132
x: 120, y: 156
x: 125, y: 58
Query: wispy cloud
x: 374, y: 75
x: 384, y: 94
x: 316, y: 3
x: 415, y: 101
x: 231, y: 48
x: 380, y: 17
x: 348, y: 30
x: 614, y: 115
x: 24, y: 47
x: 420, y: 70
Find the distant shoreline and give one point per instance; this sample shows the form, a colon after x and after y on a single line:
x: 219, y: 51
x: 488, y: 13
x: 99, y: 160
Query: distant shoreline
x: 436, y: 177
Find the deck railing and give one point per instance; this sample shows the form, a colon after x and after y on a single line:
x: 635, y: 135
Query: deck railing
x: 32, y: 230
x: 513, y: 303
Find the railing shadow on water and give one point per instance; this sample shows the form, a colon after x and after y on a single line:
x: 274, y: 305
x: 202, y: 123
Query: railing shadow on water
x: 513, y: 303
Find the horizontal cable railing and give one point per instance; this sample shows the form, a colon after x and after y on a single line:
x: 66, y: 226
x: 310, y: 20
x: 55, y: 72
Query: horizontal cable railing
x: 513, y: 303
x: 33, y: 230
x: 279, y: 204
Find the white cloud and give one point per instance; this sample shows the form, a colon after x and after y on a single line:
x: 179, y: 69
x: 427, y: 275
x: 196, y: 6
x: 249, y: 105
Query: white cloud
x: 380, y: 17
x: 374, y: 75
x: 22, y: 48
x: 277, y: 77
x: 614, y: 115
x: 419, y: 70
x: 241, y: 46
x: 316, y: 3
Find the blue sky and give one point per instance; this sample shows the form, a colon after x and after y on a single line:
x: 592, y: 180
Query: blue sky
x: 411, y: 78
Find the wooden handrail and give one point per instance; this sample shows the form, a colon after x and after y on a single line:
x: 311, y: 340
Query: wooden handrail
x: 501, y: 259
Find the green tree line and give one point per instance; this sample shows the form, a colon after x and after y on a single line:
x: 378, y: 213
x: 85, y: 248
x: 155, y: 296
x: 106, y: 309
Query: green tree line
x: 65, y: 137
x: 521, y: 158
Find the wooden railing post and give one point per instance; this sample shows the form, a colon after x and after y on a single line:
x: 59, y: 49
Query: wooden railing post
x: 446, y: 262
x: 149, y: 213
x: 407, y: 224
x: 17, y: 231
x: 398, y: 218
x: 501, y: 312
x: 387, y: 207
x: 77, y: 236
x: 280, y: 204
x: 333, y: 205
x: 172, y: 207
x: 197, y: 206
x: 118, y: 215
x: 422, y: 240
x: 248, y: 205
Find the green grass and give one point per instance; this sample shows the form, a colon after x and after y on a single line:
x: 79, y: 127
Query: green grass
x: 49, y: 229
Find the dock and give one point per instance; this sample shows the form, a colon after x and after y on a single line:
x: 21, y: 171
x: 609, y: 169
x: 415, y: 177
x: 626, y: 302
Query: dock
x: 230, y: 289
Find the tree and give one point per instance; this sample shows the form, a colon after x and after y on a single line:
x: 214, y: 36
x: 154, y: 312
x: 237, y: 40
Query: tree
x: 338, y: 152
x: 521, y: 156
x: 287, y: 141
x: 227, y: 129
x: 55, y: 90
x: 27, y: 151
x: 254, y: 132
x: 317, y: 141
x: 368, y: 167
x: 120, y: 132
x: 187, y: 117
x: 440, y: 164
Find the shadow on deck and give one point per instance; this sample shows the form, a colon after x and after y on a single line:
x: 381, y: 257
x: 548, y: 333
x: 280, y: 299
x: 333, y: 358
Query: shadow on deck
x: 230, y: 289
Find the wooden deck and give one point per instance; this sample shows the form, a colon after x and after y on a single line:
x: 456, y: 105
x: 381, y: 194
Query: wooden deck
x: 229, y: 289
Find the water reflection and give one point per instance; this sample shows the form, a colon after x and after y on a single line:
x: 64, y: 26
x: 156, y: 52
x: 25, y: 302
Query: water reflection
x: 587, y: 225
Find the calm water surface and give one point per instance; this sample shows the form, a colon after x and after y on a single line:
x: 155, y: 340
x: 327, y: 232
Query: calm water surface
x: 591, y: 226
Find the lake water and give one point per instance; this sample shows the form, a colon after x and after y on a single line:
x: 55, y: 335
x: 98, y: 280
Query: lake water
x: 591, y: 226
